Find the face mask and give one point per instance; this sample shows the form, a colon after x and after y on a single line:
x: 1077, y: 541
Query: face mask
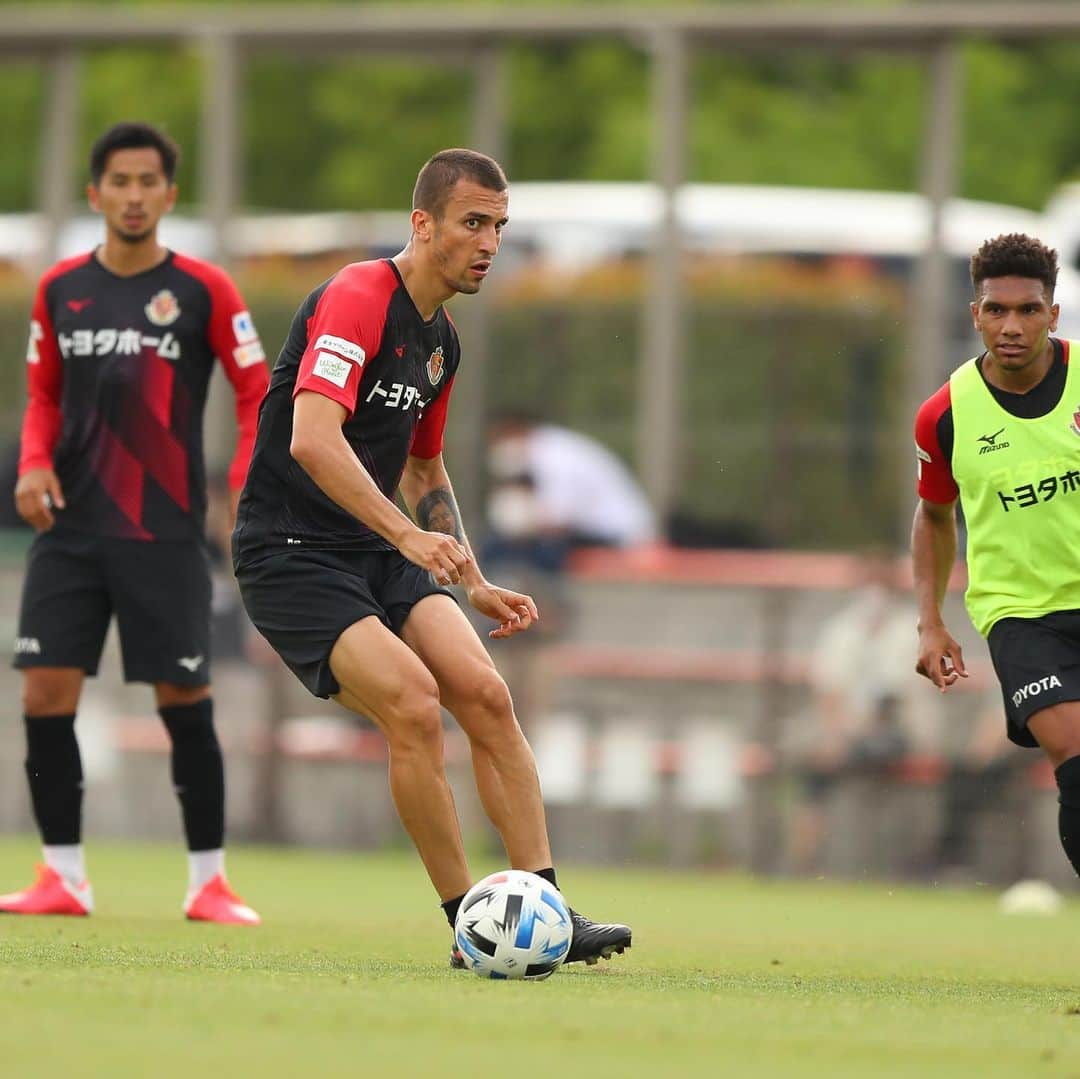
x: 513, y: 511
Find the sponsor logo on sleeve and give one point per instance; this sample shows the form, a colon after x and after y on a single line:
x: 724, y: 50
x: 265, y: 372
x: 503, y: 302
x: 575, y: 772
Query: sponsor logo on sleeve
x: 246, y: 355
x: 347, y: 350
x: 921, y: 456
x: 243, y: 327
x: 332, y: 368
x: 36, y: 334
x: 163, y: 308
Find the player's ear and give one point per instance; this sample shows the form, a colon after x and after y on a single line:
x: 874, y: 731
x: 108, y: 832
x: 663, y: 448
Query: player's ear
x: 1055, y: 311
x: 422, y: 223
x: 170, y: 201
x: 92, y: 198
x: 974, y: 305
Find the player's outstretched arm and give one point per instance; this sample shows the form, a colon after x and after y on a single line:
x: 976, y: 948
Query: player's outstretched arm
x: 933, y: 553
x: 425, y: 486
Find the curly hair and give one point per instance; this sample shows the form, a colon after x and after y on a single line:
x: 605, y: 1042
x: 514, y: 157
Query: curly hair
x: 1015, y: 255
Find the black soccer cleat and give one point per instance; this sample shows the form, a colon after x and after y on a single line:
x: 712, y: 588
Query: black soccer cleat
x: 457, y: 960
x: 595, y: 940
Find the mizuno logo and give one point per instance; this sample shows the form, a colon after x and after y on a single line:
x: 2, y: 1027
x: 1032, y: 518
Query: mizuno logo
x: 190, y: 663
x: 79, y: 305
x: 992, y: 442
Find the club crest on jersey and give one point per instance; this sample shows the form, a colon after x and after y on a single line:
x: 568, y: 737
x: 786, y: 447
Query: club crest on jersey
x: 435, y: 366
x: 1075, y: 425
x: 163, y: 308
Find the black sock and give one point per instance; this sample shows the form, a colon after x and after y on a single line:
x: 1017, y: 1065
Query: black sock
x: 450, y: 909
x: 198, y: 772
x: 549, y: 875
x: 54, y: 769
x: 1067, y: 775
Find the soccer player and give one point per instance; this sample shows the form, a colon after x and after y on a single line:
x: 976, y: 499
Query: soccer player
x: 1003, y: 436
x: 122, y: 344
x: 347, y: 588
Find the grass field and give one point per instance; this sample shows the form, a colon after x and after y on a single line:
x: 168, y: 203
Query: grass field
x: 348, y: 977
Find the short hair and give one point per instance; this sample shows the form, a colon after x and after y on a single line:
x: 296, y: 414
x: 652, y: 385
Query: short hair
x: 440, y: 173
x: 133, y: 135
x: 1015, y: 255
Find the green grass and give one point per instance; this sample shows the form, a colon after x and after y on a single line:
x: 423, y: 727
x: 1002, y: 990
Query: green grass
x: 348, y: 977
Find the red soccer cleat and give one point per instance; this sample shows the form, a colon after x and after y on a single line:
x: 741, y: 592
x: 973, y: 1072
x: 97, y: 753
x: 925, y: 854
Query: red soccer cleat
x: 215, y: 901
x: 50, y: 894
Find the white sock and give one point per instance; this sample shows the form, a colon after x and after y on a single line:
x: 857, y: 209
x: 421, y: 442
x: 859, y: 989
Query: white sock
x: 203, y: 866
x: 68, y: 861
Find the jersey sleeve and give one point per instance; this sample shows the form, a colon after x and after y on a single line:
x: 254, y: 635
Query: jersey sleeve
x: 45, y: 380
x: 343, y: 333
x: 428, y: 437
x: 232, y: 335
x: 935, y: 478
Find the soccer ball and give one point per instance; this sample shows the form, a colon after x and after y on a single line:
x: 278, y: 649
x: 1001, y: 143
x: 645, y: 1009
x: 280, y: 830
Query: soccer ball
x: 513, y: 925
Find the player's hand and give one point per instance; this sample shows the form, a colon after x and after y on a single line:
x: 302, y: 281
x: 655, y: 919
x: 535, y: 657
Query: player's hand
x: 514, y: 611
x: 37, y: 494
x: 437, y: 552
x: 940, y: 657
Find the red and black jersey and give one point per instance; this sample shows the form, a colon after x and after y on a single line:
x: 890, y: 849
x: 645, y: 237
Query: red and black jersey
x: 359, y: 340
x: 117, y: 372
x: 934, y: 424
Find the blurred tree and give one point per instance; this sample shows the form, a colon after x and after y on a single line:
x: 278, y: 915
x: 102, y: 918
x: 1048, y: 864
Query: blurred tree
x: 349, y: 131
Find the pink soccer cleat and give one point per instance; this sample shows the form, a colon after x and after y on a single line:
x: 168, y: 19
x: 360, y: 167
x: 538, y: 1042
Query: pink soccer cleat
x: 50, y: 894
x: 215, y: 901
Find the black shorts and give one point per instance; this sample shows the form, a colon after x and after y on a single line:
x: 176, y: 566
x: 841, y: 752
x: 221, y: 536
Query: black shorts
x: 159, y: 592
x: 1037, y: 661
x: 302, y: 601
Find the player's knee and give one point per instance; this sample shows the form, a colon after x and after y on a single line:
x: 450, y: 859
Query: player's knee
x: 412, y: 718
x: 492, y: 696
x: 47, y: 693
x: 170, y: 695
x: 490, y: 717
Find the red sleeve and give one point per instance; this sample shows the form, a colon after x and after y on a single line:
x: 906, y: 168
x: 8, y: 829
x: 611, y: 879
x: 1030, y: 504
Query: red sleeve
x: 232, y: 336
x: 428, y: 437
x: 345, y: 331
x: 45, y: 382
x: 936, y: 482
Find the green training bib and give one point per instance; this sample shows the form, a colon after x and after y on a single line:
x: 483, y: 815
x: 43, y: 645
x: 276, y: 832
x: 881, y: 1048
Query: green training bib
x: 1019, y: 486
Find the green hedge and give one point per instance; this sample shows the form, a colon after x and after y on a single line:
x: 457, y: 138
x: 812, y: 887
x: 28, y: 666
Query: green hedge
x: 790, y: 422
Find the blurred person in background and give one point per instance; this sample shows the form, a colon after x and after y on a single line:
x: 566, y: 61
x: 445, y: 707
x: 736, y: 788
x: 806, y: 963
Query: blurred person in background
x: 979, y: 778
x: 1002, y: 436
x: 867, y: 712
x: 350, y: 591
x: 123, y: 341
x: 553, y: 489
x: 550, y: 491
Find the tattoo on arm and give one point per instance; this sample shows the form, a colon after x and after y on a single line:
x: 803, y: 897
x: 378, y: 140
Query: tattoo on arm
x: 437, y: 511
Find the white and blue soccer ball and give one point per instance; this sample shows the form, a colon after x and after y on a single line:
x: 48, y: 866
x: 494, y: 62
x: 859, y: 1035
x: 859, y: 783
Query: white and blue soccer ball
x: 513, y: 925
